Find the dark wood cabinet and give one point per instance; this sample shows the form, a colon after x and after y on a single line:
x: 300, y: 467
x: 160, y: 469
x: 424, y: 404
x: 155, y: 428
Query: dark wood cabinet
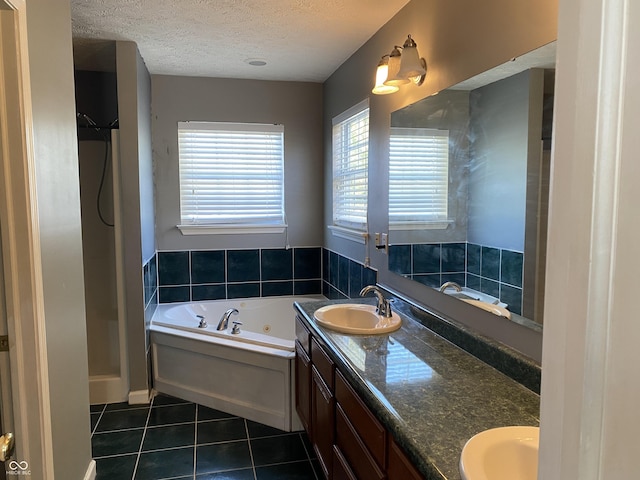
x: 341, y: 469
x: 303, y: 387
x: 400, y: 467
x: 355, y: 452
x: 322, y: 421
x: 348, y: 439
x: 372, y: 433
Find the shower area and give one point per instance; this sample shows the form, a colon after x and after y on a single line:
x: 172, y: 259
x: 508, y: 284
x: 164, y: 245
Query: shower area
x: 99, y: 162
x: 113, y: 119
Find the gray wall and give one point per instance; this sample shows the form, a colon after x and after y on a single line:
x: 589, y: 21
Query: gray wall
x: 295, y: 105
x: 458, y: 40
x: 499, y: 128
x: 58, y: 196
x: 137, y: 199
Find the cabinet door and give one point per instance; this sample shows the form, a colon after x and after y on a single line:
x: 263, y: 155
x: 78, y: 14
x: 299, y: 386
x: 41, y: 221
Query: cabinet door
x: 400, y: 468
x: 303, y: 388
x: 341, y: 469
x: 322, y: 421
x: 354, y: 451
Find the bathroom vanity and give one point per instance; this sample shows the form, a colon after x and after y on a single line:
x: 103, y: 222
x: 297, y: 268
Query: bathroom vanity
x: 397, y: 406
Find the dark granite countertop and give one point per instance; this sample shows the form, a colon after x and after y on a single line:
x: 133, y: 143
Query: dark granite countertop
x: 431, y: 395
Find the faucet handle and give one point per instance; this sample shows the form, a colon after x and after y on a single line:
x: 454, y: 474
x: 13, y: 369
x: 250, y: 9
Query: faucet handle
x: 236, y: 327
x: 203, y: 322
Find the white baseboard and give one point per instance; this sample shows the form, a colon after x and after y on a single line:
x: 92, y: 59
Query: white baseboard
x: 137, y: 397
x: 91, y: 471
x: 106, y: 389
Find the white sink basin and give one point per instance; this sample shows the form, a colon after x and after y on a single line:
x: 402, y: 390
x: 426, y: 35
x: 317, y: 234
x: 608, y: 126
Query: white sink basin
x: 489, y: 307
x: 507, y: 453
x: 356, y: 318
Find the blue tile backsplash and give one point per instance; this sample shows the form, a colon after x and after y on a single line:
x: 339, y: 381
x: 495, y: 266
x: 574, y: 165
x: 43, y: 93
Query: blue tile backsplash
x: 343, y: 277
x: 496, y: 272
x: 218, y: 274
x: 207, y: 267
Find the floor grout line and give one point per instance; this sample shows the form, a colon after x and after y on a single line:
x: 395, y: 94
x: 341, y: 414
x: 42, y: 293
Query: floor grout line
x: 144, y: 434
x: 304, y: 445
x: 253, y: 464
x: 195, y: 443
x: 104, y: 407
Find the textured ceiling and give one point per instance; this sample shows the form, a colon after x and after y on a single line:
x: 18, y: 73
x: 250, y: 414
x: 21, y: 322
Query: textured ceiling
x: 301, y: 40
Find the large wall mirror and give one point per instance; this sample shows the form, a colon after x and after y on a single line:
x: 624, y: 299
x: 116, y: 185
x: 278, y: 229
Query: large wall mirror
x: 469, y: 185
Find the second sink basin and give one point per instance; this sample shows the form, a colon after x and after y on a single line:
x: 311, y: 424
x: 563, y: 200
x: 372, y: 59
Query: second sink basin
x: 356, y: 319
x: 506, y: 453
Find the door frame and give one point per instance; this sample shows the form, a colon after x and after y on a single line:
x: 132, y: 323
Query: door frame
x: 21, y: 249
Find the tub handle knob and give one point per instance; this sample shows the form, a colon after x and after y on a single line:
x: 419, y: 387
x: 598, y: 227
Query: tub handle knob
x: 236, y: 327
x: 203, y: 322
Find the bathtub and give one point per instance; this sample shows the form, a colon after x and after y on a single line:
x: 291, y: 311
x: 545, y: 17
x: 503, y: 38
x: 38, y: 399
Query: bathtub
x: 249, y: 374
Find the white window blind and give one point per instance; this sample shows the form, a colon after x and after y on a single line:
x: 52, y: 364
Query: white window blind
x: 350, y: 165
x: 418, y: 177
x: 231, y: 174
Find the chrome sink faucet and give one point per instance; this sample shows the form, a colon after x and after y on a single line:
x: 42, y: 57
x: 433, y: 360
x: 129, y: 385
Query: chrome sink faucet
x: 384, y: 307
x: 224, y: 321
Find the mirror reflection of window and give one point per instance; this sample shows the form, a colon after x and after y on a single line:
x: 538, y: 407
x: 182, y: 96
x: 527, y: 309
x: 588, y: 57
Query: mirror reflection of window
x: 418, y: 178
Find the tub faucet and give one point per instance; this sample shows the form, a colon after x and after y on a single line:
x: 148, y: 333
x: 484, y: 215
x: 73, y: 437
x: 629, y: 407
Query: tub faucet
x: 224, y: 321
x: 453, y: 285
x: 384, y: 307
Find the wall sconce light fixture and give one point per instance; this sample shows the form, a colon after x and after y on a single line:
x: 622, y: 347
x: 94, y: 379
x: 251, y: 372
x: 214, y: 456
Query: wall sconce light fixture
x: 382, y: 73
x: 401, y: 67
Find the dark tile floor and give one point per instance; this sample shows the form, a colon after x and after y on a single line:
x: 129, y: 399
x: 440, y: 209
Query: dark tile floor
x: 178, y: 440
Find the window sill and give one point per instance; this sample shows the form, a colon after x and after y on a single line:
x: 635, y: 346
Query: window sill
x: 349, y: 234
x: 437, y: 225
x: 229, y: 229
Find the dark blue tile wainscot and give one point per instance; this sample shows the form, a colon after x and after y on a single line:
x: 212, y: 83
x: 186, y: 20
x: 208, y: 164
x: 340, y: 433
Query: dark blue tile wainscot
x: 426, y: 258
x: 307, y: 263
x: 277, y: 264
x: 243, y: 265
x: 511, y: 268
x: 490, y: 263
x: 400, y: 259
x: 173, y: 268
x: 207, y: 267
x: 173, y: 294
x: 343, y: 277
x: 208, y: 292
x: 203, y: 275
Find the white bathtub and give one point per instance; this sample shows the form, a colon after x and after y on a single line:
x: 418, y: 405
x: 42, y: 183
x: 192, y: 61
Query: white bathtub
x: 249, y: 374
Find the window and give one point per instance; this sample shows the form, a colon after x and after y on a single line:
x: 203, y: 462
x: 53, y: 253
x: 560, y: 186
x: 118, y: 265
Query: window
x: 418, y: 178
x: 350, y: 165
x: 231, y: 177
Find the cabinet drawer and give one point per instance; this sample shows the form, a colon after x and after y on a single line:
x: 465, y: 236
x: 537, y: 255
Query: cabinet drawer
x: 322, y: 422
x: 356, y: 454
x: 400, y: 468
x: 341, y: 469
x: 323, y: 363
x: 372, y: 433
x: 303, y: 335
